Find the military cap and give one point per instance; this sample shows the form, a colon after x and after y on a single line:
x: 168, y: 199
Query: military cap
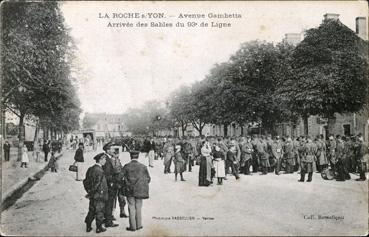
x: 107, y: 146
x: 134, y: 154
x: 98, y: 156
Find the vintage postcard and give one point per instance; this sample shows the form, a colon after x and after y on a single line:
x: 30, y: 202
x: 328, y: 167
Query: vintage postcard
x: 184, y: 118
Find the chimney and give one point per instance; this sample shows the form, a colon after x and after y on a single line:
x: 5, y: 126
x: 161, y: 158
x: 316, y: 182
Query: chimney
x: 331, y: 16
x: 292, y: 38
x: 361, y: 28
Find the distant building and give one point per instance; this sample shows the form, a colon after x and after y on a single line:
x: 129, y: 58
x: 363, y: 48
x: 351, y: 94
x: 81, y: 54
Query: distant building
x: 107, y: 125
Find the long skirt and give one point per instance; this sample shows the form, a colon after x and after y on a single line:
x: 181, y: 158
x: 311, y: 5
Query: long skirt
x: 168, y: 159
x: 203, y: 172
x: 80, y: 174
x: 219, y: 168
x: 209, y: 165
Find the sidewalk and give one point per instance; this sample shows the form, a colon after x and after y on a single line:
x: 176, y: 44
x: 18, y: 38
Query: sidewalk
x: 13, y: 176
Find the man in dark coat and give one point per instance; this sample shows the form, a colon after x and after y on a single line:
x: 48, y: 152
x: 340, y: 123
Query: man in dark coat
x: 46, y: 149
x: 149, y: 148
x: 362, y: 158
x: 78, y: 158
x: 98, y: 194
x: 137, y: 179
x: 112, y: 168
x: 6, y: 148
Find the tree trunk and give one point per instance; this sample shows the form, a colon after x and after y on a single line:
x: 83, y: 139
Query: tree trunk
x: 330, y: 124
x: 20, y: 136
x: 35, y: 139
x: 225, y: 129
x: 306, y: 124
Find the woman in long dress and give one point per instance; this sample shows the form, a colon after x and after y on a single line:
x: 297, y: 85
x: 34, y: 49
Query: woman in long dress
x: 205, y: 165
x: 25, y: 159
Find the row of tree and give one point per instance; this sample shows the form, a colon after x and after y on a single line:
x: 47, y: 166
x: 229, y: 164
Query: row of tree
x: 326, y: 73
x: 37, y: 54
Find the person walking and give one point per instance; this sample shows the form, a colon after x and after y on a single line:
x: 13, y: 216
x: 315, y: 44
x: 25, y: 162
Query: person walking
x: 149, y: 149
x: 6, y: 149
x: 136, y: 188
x: 78, y: 161
x: 46, y: 149
x: 97, y: 194
x: 25, y: 158
x: 232, y: 161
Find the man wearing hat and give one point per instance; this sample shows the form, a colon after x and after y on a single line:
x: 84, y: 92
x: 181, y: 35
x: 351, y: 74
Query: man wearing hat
x: 98, y: 194
x: 112, y: 170
x: 137, y: 179
x: 78, y: 161
x: 246, y: 155
x: 277, y: 151
x: 307, y: 160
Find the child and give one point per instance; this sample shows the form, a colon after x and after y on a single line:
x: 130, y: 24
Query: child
x: 53, y: 165
x: 25, y: 159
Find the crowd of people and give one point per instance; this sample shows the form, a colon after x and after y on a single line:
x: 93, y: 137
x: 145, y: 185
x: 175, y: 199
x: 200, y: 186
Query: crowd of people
x: 218, y: 158
x: 335, y: 158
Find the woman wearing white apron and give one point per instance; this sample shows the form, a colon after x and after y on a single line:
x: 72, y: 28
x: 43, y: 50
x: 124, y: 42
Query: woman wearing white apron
x: 219, y: 164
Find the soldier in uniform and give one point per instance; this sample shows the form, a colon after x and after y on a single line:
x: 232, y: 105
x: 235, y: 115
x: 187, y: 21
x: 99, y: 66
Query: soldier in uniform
x: 340, y: 156
x: 362, y: 157
x: 187, y: 154
x: 263, y: 156
x: 322, y: 161
x: 308, y: 159
x: 112, y: 170
x: 289, y: 156
x: 168, y: 155
x: 98, y: 195
x: 246, y: 156
x: 272, y: 160
x: 277, y: 152
x: 332, y: 153
x: 255, y: 155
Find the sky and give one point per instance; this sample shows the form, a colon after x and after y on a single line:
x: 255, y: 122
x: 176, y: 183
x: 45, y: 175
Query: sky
x: 123, y: 67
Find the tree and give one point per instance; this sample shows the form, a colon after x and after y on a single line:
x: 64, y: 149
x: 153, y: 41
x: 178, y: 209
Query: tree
x: 330, y: 68
x: 37, y: 50
x: 178, y: 106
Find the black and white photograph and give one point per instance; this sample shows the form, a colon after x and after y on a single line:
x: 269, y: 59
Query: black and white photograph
x: 184, y: 118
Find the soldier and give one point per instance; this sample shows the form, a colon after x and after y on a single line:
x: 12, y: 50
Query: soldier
x: 322, y: 161
x: 340, y: 156
x: 97, y: 193
x: 168, y: 155
x: 272, y: 160
x: 255, y: 155
x: 349, y: 153
x: 277, y: 152
x: 187, y: 154
x: 362, y: 157
x: 289, y: 156
x: 263, y: 156
x: 232, y: 161
x: 296, y: 145
x: 246, y: 155
x: 332, y: 153
x: 112, y: 170
x: 307, y: 160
